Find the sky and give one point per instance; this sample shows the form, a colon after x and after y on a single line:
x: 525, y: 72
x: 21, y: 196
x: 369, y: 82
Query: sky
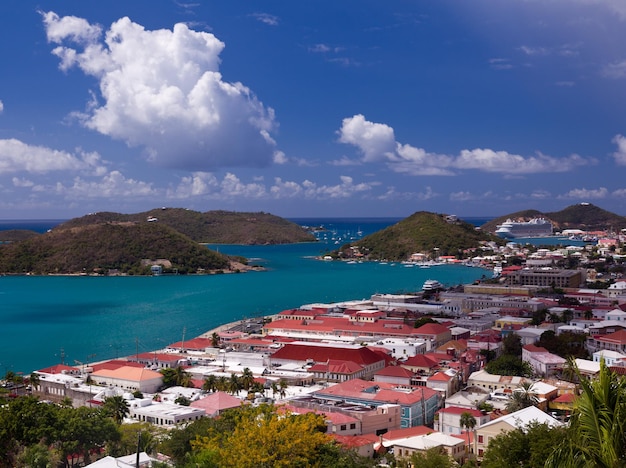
x: 325, y: 108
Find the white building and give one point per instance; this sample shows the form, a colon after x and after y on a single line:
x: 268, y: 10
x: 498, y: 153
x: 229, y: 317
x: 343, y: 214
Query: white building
x: 163, y: 414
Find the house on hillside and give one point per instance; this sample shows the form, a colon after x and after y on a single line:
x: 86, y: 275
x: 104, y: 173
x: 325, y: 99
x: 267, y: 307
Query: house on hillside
x: 418, y: 406
x: 517, y: 420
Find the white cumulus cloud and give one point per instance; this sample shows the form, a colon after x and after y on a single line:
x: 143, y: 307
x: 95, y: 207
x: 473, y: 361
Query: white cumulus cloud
x: 586, y: 194
x: 375, y: 140
x: 620, y: 154
x: 162, y: 90
x: 17, y: 156
x: 377, y: 143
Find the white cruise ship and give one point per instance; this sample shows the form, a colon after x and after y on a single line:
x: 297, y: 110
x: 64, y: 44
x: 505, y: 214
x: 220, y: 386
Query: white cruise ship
x: 536, y: 227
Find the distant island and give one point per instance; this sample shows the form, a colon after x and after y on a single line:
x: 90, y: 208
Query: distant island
x: 159, y: 241
x: 584, y: 216
x: 423, y: 232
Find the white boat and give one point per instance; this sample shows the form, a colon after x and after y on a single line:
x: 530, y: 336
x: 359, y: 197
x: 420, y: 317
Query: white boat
x: 432, y: 285
x: 536, y: 227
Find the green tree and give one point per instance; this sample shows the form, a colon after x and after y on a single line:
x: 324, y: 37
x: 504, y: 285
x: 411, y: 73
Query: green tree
x: 177, y: 376
x: 522, y: 397
x: 525, y: 447
x: 215, y: 340
x: 435, y: 457
x: 261, y: 438
x: 508, y: 364
x: 247, y: 379
x: 512, y: 345
x: 82, y: 431
x: 469, y: 423
x: 116, y: 407
x: 210, y: 383
x: 596, y: 435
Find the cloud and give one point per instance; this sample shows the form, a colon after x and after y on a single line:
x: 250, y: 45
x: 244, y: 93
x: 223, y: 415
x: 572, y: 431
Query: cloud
x: 280, y: 158
x: 1, y: 107
x: 534, y: 51
x: 377, y: 143
x: 345, y: 161
x: 620, y: 154
x: 500, y: 64
x: 17, y: 156
x: 320, y: 48
x: 585, y: 194
x: 375, y: 140
x: 112, y: 185
x: 21, y: 182
x: 266, y: 18
x: 393, y: 194
x: 161, y: 90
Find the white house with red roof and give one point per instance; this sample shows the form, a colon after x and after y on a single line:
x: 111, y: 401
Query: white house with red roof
x: 434, y: 333
x: 394, y: 375
x: 541, y: 360
x: 445, y: 382
x: 337, y: 370
x: 615, y: 341
x: 316, y: 353
x: 448, y: 420
x: 418, y: 406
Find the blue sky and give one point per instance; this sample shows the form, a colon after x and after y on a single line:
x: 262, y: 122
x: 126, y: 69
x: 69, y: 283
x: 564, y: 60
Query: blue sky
x: 320, y: 108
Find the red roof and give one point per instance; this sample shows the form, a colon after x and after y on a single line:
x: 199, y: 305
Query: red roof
x: 336, y: 366
x: 114, y: 364
x: 59, y: 368
x: 565, y: 398
x: 617, y: 337
x: 420, y: 360
x: 356, y: 441
x: 531, y: 348
x: 195, y: 344
x: 440, y: 377
x: 395, y: 371
x: 377, y: 391
x: 302, y: 352
x: 432, y: 329
x: 459, y: 410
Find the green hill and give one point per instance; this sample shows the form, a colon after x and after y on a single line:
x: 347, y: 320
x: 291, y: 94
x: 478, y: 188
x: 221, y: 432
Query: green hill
x: 585, y: 216
x: 425, y: 232
x: 212, y: 227
x: 99, y: 248
x: 14, y: 235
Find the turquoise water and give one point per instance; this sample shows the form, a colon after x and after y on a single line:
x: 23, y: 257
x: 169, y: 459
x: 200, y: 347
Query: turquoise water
x: 44, y: 320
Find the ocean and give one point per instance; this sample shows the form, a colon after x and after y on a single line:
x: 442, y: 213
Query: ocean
x: 45, y: 320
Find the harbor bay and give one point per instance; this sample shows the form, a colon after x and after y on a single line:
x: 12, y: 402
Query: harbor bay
x: 78, y: 319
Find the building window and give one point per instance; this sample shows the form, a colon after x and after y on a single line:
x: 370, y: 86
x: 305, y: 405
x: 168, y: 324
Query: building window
x: 353, y: 426
x: 480, y: 439
x: 343, y: 427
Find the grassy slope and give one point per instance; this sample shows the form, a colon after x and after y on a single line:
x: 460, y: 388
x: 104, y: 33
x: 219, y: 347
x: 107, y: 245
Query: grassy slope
x: 219, y: 227
x: 107, y: 246
x: 422, y: 232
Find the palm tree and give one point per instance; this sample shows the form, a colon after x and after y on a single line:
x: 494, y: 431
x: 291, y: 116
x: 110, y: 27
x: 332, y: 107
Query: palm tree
x: 522, y: 397
x: 247, y: 378
x: 34, y: 381
x: 282, y: 388
x: 182, y: 377
x: 469, y: 423
x: 234, y: 384
x: 116, y: 407
x: 215, y: 340
x: 596, y: 434
x: 210, y: 383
